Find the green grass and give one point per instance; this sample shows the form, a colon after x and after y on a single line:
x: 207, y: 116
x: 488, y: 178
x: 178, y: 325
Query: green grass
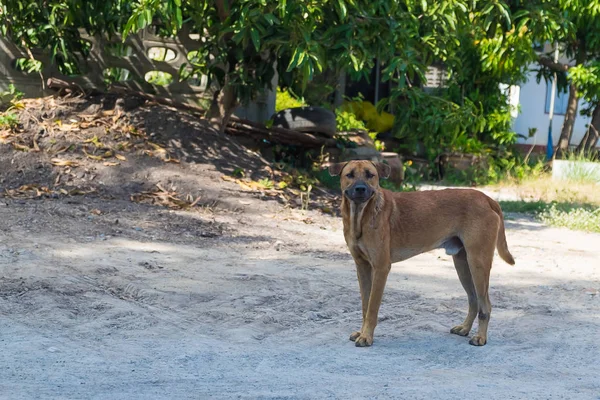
x: 580, y: 218
x: 576, y: 216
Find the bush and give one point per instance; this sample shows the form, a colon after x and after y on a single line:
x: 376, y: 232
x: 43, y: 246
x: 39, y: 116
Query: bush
x: 284, y: 99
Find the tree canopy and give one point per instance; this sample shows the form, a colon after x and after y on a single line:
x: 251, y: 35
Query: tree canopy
x: 480, y: 44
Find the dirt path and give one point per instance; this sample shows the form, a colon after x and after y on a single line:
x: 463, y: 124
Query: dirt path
x: 140, y: 302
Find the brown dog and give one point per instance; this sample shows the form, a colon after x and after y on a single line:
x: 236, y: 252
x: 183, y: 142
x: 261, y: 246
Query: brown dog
x: 382, y: 227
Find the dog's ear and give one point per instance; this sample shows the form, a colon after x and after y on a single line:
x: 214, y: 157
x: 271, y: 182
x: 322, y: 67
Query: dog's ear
x: 383, y: 170
x: 336, y: 169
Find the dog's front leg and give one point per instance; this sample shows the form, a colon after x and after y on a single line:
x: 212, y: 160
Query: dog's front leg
x: 365, y: 281
x: 381, y: 270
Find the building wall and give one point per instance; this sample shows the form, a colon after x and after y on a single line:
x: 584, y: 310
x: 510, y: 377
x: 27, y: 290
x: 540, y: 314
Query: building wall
x: 532, y: 114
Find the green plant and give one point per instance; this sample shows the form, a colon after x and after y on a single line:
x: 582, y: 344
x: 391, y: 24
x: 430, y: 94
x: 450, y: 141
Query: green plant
x: 159, y: 78
x: 284, y: 99
x: 8, y: 120
x: 9, y: 102
x: 28, y: 65
x: 266, y: 183
x: 572, y: 215
x: 238, y: 173
x: 347, y: 121
x: 583, y: 219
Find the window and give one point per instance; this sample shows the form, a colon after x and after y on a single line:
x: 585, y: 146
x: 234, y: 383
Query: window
x: 560, y: 100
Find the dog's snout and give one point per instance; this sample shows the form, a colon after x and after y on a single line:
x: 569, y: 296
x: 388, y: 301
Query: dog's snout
x: 360, y: 189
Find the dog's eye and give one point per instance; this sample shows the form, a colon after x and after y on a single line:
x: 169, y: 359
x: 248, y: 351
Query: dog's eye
x: 350, y: 175
x: 369, y: 175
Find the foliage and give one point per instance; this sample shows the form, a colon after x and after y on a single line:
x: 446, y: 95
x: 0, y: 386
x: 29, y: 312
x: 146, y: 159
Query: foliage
x: 53, y: 25
x: 577, y: 216
x: 479, y: 45
x: 587, y: 79
x: 159, y: 78
x: 347, y: 121
x: 9, y: 102
x: 284, y: 99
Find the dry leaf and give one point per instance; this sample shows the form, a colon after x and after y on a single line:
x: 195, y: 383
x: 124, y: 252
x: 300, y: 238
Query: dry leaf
x: 61, y: 150
x: 67, y: 127
x: 111, y: 163
x: 64, y: 163
x: 120, y: 157
x: 93, y: 157
x: 20, y: 147
x: 95, y: 211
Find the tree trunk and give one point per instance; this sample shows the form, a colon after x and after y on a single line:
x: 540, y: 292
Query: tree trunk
x: 569, y: 123
x: 590, y: 139
x: 222, y: 106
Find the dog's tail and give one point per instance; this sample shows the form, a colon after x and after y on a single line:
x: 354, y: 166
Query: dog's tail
x: 501, y: 244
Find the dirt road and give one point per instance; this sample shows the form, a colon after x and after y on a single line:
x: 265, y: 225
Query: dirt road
x: 142, y: 303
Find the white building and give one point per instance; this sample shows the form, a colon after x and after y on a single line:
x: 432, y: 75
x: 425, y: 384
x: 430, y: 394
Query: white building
x: 534, y: 101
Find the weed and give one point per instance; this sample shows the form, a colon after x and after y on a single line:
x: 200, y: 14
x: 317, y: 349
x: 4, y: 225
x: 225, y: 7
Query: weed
x: 572, y: 215
x: 266, y: 183
x: 9, y: 102
x: 580, y: 218
x: 305, y: 197
x: 238, y: 173
x: 581, y: 167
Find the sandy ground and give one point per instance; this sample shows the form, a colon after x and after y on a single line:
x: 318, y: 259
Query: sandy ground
x: 141, y: 302
x: 245, y: 296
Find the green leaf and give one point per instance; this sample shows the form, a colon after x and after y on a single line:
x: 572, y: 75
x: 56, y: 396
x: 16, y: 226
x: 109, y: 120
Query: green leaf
x: 355, y: 63
x: 282, y: 8
x: 294, y: 61
x: 271, y: 19
x: 255, y: 38
x: 343, y: 9
x: 178, y: 17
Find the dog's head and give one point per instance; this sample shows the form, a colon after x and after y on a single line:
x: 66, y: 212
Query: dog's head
x: 359, y: 179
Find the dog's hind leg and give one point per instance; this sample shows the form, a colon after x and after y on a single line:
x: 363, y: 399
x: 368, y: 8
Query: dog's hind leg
x: 464, y: 274
x: 480, y: 264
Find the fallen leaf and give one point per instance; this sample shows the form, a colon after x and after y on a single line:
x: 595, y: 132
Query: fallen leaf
x: 120, y: 157
x: 61, y: 150
x: 93, y: 157
x: 64, y: 163
x: 20, y: 147
x: 111, y: 163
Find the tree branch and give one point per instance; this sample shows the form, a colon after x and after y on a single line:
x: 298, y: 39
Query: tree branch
x: 554, y: 66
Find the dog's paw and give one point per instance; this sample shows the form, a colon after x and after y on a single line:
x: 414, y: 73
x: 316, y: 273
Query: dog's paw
x: 354, y: 335
x: 477, y: 340
x: 363, y: 340
x: 460, y: 330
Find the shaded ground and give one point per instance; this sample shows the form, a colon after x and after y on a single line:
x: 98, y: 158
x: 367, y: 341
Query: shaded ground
x: 102, y: 297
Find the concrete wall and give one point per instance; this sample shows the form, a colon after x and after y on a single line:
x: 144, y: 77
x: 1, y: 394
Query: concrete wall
x: 138, y: 62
